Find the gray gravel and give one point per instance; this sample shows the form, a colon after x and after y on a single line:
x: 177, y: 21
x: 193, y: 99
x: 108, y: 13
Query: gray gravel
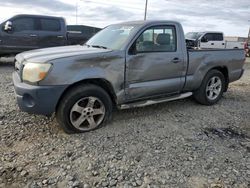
x: 175, y: 144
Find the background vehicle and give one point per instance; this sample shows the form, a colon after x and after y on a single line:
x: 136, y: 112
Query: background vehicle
x: 82, y: 33
x: 247, y: 49
x: 127, y: 65
x: 212, y: 40
x: 26, y: 32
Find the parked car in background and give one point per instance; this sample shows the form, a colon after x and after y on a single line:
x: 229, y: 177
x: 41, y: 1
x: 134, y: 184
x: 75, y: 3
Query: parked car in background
x: 131, y: 64
x: 27, y: 32
x: 211, y: 40
x: 80, y: 33
x: 247, y: 49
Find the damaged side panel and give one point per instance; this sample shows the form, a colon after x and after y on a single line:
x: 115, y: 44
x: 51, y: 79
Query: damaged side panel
x: 152, y: 74
x: 201, y: 61
x: 107, y: 66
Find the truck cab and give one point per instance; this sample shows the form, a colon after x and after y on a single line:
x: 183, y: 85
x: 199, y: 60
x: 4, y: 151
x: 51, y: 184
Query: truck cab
x: 27, y: 32
x: 211, y: 40
x: 207, y: 40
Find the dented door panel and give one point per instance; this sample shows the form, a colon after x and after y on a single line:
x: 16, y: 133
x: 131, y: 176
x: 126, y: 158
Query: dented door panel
x: 150, y: 74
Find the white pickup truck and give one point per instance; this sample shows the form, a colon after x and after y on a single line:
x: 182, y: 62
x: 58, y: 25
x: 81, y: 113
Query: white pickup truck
x: 211, y: 40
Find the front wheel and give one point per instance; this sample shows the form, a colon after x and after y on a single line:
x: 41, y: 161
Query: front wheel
x: 211, y: 89
x: 84, y: 108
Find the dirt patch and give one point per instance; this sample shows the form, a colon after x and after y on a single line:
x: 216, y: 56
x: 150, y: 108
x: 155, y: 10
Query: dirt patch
x: 226, y: 133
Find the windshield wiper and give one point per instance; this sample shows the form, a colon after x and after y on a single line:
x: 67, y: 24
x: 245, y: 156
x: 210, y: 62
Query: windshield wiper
x: 98, y: 46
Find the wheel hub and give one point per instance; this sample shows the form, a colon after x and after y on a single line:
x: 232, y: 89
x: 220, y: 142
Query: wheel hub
x: 87, y: 113
x: 214, y: 87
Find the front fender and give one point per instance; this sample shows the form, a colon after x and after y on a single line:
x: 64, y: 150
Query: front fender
x: 68, y: 71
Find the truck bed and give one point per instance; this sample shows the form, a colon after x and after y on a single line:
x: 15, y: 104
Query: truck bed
x: 202, y: 60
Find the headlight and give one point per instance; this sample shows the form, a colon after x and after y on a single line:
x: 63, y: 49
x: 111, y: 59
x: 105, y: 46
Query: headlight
x: 35, y: 72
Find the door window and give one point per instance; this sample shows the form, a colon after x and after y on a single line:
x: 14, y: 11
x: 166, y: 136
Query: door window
x: 23, y: 24
x: 213, y: 37
x: 218, y: 37
x: 50, y: 25
x: 207, y: 37
x: 157, y: 39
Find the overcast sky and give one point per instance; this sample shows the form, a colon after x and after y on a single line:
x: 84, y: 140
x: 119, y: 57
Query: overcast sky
x: 229, y: 16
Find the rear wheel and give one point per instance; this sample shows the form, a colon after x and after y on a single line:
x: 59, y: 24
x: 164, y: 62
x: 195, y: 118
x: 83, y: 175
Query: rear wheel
x: 211, y: 89
x: 84, y: 108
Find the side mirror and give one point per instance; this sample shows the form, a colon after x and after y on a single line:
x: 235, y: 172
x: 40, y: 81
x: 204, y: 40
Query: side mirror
x: 8, y: 26
x: 204, y: 39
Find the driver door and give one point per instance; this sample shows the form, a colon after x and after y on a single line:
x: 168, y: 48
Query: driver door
x: 155, y: 64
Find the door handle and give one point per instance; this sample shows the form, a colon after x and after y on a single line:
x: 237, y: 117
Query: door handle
x: 223, y: 43
x: 212, y: 43
x: 59, y: 36
x: 33, y: 35
x: 176, y: 60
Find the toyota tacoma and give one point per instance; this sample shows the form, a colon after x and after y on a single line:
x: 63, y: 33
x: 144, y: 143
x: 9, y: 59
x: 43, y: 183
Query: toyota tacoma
x: 131, y: 64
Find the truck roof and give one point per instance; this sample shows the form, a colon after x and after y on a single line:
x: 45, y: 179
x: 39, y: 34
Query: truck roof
x: 37, y: 16
x: 146, y: 22
x: 205, y: 32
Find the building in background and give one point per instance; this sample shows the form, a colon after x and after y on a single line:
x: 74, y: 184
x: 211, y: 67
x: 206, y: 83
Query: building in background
x: 235, y: 39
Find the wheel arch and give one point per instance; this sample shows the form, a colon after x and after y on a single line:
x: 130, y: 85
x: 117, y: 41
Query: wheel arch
x: 224, y: 71
x: 104, y: 84
x: 200, y: 76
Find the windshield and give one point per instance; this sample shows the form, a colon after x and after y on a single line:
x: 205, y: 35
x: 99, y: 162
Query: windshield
x: 112, y: 37
x: 193, y: 35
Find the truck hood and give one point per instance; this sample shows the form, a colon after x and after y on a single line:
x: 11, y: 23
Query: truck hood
x: 48, y: 54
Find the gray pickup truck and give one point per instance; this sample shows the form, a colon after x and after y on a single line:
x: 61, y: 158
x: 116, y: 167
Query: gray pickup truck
x: 125, y: 65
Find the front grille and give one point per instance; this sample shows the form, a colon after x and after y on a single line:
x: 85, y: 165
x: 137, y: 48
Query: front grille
x: 18, y: 68
x: 17, y: 65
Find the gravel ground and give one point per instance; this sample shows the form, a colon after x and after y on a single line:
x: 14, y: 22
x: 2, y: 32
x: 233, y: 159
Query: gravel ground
x: 175, y: 144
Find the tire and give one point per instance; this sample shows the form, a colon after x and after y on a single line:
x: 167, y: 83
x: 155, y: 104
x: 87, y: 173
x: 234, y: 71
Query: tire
x: 203, y: 94
x: 84, y: 108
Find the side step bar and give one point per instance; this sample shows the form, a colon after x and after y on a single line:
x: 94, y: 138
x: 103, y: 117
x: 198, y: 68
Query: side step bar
x: 155, y: 101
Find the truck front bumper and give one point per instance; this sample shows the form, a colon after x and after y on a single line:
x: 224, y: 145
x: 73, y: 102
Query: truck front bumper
x: 37, y: 99
x: 242, y: 72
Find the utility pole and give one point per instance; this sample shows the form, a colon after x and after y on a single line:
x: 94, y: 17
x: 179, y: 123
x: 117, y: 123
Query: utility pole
x: 248, y: 39
x: 146, y: 8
